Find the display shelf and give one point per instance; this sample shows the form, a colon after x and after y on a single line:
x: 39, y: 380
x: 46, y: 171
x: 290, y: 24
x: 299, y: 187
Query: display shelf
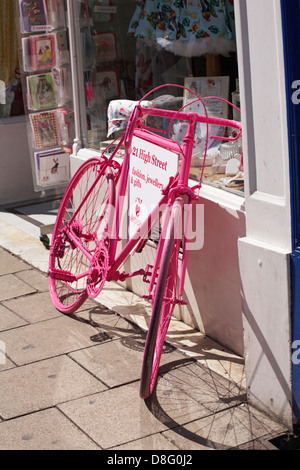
x: 47, y: 88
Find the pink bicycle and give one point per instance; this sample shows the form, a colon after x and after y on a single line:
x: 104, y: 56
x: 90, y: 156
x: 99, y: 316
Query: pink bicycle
x: 83, y: 253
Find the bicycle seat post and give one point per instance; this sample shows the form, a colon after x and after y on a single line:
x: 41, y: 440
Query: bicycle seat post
x: 130, y: 128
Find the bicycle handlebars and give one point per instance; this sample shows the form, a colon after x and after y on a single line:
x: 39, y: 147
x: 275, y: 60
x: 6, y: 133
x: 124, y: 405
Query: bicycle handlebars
x: 139, y: 112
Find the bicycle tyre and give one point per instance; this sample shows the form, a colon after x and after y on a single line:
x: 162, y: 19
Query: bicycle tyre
x: 97, y: 199
x: 162, y: 307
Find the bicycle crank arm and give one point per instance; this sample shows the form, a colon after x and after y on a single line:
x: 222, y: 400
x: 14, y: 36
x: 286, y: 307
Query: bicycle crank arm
x: 117, y: 276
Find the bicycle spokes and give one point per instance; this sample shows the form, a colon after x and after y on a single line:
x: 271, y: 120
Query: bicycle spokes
x: 80, y: 237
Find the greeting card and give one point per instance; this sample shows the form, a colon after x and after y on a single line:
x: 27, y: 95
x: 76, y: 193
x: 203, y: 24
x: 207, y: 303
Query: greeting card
x: 32, y: 15
x: 42, y: 49
x: 108, y: 82
x: 105, y: 46
x: 42, y: 91
x: 53, y: 167
x: 44, y: 129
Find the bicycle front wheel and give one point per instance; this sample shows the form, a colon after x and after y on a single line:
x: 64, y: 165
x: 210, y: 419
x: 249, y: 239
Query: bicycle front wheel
x: 85, y: 213
x: 163, y: 301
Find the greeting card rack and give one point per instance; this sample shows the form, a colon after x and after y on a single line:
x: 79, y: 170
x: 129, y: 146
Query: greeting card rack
x: 47, y: 88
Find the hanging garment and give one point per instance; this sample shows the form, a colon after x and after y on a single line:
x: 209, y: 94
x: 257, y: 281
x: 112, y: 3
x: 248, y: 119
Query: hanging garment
x: 186, y: 27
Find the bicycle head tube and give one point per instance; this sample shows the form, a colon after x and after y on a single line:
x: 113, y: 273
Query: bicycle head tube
x: 132, y: 122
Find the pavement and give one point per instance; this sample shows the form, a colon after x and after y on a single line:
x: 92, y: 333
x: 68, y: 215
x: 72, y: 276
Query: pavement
x: 71, y: 382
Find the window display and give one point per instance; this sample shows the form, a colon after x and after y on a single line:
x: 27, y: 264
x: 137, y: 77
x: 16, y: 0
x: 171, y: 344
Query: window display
x: 130, y: 47
x: 47, y: 87
x: 186, y: 28
x: 41, y: 15
x: 126, y: 48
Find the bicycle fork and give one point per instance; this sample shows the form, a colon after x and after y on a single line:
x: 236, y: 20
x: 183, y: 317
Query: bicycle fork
x: 182, y: 234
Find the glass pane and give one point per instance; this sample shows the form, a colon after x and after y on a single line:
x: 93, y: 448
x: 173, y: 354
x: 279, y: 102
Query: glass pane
x: 130, y: 47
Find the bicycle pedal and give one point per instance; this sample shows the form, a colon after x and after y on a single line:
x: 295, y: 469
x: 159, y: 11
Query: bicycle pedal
x: 148, y: 273
x: 175, y: 301
x: 61, y: 275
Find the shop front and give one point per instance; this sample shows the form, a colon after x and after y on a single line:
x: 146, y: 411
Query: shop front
x: 124, y: 50
x: 238, y: 282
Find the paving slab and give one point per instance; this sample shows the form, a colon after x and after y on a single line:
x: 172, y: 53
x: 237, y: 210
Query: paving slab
x: 225, y: 430
x: 262, y: 443
x: 11, y: 286
x: 10, y: 264
x: 201, y: 384
x: 34, y: 278
x: 180, y: 398
x: 47, y: 339
x: 111, y: 362
x: 154, y: 442
x: 100, y: 316
x: 113, y: 417
x: 23, y: 245
x: 118, y: 362
x: 9, y: 319
x: 43, y: 384
x: 43, y: 430
x: 6, y: 364
x: 33, y: 308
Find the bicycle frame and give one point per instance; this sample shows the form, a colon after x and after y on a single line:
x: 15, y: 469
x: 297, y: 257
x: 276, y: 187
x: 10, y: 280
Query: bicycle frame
x: 87, y: 232
x: 177, y: 186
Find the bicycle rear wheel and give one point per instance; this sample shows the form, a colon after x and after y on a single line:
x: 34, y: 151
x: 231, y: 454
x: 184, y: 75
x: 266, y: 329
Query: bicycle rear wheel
x: 85, y: 212
x: 163, y: 301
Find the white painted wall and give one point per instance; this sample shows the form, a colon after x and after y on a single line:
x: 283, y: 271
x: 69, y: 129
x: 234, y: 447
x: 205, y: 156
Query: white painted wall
x: 263, y: 253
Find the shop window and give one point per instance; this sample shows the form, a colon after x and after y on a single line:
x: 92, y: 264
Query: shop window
x: 130, y: 47
x: 11, y: 97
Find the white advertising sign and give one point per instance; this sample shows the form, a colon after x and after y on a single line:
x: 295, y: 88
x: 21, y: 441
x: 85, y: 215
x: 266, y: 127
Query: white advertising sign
x: 151, y: 167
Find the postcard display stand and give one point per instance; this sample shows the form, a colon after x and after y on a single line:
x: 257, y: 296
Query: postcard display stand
x: 47, y: 81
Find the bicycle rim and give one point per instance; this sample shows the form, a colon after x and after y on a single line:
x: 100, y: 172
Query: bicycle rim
x: 163, y: 304
x: 90, y: 196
